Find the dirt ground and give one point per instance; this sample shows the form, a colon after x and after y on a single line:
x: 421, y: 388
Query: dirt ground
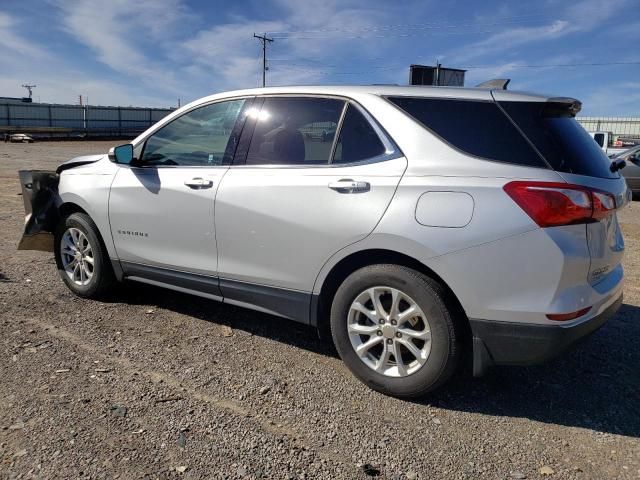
x: 157, y: 384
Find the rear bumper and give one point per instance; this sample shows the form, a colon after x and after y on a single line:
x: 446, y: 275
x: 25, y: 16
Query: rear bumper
x: 506, y: 343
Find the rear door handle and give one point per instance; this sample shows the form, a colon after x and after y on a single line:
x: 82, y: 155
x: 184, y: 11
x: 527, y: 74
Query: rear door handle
x: 199, y: 183
x: 347, y: 185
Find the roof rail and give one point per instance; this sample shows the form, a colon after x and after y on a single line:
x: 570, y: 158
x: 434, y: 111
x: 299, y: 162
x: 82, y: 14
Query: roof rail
x: 495, y: 84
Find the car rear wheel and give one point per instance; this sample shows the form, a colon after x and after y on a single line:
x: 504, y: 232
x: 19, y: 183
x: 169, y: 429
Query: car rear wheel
x: 395, y: 330
x: 81, y: 258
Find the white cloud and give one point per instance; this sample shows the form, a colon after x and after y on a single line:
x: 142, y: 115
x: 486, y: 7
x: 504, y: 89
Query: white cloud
x: 233, y: 56
x: 11, y: 43
x: 118, y: 30
x: 510, y: 39
x: 228, y: 53
x: 577, y: 17
x: 622, y: 98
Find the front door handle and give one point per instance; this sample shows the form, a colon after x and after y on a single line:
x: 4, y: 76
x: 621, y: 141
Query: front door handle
x: 347, y: 185
x: 199, y: 183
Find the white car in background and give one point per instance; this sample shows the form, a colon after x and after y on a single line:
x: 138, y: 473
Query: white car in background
x: 609, y: 143
x: 20, y: 138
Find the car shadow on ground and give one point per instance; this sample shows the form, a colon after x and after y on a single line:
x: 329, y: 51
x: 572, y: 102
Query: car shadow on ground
x: 596, y: 386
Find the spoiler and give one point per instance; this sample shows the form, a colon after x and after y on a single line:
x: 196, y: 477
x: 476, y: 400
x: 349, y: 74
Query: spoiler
x: 495, y: 84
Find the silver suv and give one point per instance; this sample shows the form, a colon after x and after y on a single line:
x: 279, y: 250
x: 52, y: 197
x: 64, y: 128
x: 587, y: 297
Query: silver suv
x: 418, y: 225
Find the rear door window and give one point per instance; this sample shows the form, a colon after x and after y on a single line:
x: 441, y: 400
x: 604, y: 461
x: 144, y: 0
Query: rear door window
x: 294, y: 131
x: 563, y: 142
x: 478, y: 128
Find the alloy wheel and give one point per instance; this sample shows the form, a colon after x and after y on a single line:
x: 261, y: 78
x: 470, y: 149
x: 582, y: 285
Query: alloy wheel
x: 77, y: 256
x: 389, y: 331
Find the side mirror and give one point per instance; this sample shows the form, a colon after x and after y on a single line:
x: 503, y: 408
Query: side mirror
x: 122, y: 154
x: 635, y: 159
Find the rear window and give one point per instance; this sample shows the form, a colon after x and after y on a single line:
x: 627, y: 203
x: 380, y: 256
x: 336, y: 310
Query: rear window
x: 560, y: 138
x: 478, y: 128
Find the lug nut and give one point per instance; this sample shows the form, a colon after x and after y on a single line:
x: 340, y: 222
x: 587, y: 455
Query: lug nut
x: 381, y: 321
x: 379, y: 332
x: 393, y: 322
x: 389, y: 341
x: 398, y: 334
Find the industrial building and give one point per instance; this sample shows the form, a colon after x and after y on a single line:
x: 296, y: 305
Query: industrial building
x: 57, y: 120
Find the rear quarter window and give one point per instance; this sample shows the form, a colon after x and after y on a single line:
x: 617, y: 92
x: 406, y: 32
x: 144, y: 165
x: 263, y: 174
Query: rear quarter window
x: 478, y: 128
x: 562, y: 141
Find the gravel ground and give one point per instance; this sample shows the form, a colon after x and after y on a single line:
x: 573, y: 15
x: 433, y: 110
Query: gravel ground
x: 156, y: 384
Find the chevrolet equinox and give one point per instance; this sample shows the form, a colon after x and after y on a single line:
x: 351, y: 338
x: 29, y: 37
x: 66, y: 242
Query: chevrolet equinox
x: 416, y: 224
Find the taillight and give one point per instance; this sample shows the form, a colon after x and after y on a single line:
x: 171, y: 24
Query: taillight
x: 552, y: 204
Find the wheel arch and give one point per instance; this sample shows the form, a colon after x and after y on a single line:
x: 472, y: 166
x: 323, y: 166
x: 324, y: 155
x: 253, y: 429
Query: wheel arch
x: 321, y: 301
x: 68, y: 208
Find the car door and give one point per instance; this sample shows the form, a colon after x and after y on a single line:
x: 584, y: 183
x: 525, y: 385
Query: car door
x: 161, y: 208
x: 318, y: 175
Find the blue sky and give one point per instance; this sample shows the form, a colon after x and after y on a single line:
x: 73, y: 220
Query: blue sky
x: 152, y: 52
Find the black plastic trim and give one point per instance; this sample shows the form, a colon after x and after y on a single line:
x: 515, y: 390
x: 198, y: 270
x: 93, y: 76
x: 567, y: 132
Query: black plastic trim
x: 508, y: 343
x: 185, y: 280
x: 117, y: 269
x: 291, y: 304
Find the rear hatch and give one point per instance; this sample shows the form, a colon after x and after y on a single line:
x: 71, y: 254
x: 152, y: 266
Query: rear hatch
x: 551, y: 128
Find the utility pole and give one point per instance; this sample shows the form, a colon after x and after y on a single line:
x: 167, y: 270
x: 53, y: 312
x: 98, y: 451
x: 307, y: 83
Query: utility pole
x: 264, y: 39
x: 29, y: 89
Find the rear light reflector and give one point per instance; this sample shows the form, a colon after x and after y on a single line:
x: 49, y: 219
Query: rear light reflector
x: 551, y: 204
x: 563, y: 317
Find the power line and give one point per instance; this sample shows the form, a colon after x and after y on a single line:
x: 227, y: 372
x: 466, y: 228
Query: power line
x: 264, y: 39
x: 308, y: 68
x: 595, y: 64
x: 411, y: 30
x: 411, y: 26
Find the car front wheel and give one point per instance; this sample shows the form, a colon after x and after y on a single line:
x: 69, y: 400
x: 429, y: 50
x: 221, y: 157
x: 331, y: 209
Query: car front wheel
x: 81, y: 258
x: 395, y: 330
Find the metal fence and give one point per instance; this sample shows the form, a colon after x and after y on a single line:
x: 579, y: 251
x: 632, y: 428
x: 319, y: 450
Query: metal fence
x: 622, y: 126
x: 45, y: 119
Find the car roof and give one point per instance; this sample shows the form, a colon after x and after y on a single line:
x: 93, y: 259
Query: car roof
x: 384, y: 90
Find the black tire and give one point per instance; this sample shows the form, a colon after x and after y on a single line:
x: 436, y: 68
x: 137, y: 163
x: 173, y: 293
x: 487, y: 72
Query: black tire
x: 103, y: 277
x: 440, y: 310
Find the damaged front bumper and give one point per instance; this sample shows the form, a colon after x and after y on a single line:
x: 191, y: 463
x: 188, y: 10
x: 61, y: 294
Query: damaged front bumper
x: 41, y: 203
